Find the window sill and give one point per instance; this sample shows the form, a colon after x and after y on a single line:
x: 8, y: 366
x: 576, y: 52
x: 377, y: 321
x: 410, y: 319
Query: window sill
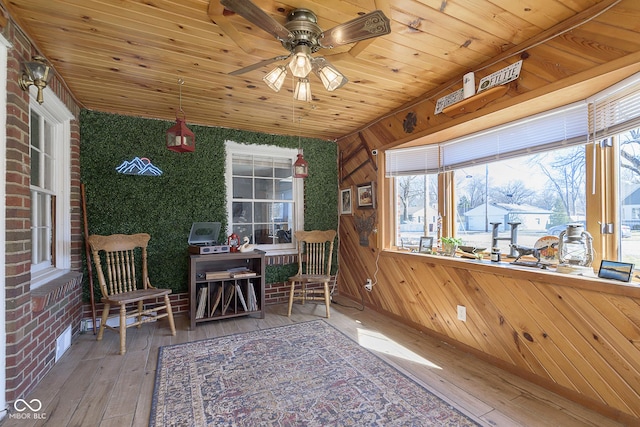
x: 550, y: 276
x: 280, y: 252
x: 55, y: 290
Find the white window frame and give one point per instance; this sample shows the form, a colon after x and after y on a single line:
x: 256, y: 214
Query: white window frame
x: 232, y: 147
x: 4, y: 46
x: 59, y: 118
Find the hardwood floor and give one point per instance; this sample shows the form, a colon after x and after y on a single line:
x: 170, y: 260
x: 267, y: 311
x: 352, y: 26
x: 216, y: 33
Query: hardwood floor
x: 93, y: 386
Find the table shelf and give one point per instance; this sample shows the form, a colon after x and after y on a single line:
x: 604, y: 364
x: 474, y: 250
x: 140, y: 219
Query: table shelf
x: 225, y: 296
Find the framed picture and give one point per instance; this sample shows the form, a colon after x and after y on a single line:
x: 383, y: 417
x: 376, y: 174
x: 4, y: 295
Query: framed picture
x: 426, y: 245
x: 345, y: 202
x: 615, y: 270
x: 367, y: 195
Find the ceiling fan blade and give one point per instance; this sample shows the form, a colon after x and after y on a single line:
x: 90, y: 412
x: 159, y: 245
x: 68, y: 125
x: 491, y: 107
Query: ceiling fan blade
x: 259, y: 65
x: 372, y: 24
x: 259, y: 17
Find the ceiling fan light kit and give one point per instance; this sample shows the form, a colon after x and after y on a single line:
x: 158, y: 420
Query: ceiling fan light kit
x: 302, y: 37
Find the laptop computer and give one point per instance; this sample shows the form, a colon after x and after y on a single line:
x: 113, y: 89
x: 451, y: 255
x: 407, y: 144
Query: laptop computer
x: 204, y: 233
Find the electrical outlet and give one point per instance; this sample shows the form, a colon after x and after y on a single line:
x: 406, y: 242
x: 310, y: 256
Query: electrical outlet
x: 462, y: 313
x: 369, y: 285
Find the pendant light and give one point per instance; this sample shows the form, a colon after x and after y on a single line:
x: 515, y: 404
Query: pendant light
x: 179, y: 137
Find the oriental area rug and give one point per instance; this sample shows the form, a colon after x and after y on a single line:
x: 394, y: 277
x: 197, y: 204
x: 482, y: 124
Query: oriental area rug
x: 306, y: 374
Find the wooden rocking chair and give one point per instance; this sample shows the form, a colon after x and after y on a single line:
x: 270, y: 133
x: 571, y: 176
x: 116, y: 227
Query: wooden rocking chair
x: 315, y: 251
x: 125, y: 285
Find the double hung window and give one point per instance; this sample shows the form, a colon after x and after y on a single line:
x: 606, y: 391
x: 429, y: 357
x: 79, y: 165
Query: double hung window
x: 50, y: 165
x: 265, y: 202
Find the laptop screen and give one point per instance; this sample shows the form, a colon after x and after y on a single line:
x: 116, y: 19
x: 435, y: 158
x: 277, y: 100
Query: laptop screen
x: 204, y: 233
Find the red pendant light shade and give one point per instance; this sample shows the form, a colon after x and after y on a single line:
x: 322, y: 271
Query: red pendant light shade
x: 179, y: 137
x: 300, y: 167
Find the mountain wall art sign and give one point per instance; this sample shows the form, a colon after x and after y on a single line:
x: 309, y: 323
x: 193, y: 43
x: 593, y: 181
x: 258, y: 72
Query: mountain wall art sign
x: 138, y: 166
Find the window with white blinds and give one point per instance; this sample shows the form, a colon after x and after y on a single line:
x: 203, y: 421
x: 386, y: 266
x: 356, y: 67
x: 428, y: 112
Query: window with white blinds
x: 607, y: 113
x: 556, y: 128
x: 413, y: 161
x: 615, y: 109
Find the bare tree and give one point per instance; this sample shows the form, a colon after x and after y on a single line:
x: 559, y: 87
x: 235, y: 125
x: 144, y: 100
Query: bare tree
x: 515, y: 192
x: 566, y: 174
x: 473, y: 188
x: 409, y: 189
x: 630, y: 153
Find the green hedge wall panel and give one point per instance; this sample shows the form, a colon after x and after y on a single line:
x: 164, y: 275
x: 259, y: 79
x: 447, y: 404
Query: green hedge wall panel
x: 191, y: 188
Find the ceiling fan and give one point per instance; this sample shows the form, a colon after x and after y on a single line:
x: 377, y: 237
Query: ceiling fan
x: 302, y: 36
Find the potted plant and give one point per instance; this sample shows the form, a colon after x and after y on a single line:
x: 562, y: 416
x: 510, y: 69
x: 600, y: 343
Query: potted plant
x: 449, y: 245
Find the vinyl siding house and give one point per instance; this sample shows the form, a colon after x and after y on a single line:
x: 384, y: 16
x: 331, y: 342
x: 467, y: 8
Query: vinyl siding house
x: 531, y: 218
x: 630, y: 214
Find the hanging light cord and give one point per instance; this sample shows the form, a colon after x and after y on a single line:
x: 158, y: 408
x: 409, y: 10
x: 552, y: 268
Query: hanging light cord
x: 180, y: 83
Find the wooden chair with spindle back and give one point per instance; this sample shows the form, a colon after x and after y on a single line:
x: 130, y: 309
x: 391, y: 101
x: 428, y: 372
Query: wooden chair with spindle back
x: 315, y: 252
x: 121, y: 266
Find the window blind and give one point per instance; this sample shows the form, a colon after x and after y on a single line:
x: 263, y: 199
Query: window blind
x: 556, y: 128
x: 615, y: 109
x: 412, y: 161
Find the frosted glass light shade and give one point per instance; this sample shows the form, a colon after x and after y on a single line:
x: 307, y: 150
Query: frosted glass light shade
x: 332, y: 79
x: 275, y: 78
x: 302, y: 90
x: 300, y: 64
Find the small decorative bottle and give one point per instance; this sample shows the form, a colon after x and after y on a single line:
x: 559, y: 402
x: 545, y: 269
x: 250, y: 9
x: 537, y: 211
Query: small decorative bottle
x: 495, y: 254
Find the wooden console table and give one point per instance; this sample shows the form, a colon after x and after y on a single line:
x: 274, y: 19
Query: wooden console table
x: 226, y: 285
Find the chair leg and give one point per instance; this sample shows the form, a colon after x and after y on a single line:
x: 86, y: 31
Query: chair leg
x: 172, y: 325
x: 123, y: 329
x: 140, y: 308
x: 327, y: 297
x: 103, y: 321
x: 293, y: 285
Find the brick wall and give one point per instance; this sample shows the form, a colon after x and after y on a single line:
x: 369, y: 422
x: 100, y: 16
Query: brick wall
x: 32, y: 328
x: 275, y: 293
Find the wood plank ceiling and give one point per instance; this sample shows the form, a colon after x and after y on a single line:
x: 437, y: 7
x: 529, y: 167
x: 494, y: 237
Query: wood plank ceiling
x: 126, y: 57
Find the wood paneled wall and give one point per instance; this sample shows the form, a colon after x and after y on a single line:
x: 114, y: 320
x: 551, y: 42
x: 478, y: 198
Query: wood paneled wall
x: 577, y: 336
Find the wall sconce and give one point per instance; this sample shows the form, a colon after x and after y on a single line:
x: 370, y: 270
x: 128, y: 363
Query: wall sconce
x: 179, y: 137
x: 36, y: 73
